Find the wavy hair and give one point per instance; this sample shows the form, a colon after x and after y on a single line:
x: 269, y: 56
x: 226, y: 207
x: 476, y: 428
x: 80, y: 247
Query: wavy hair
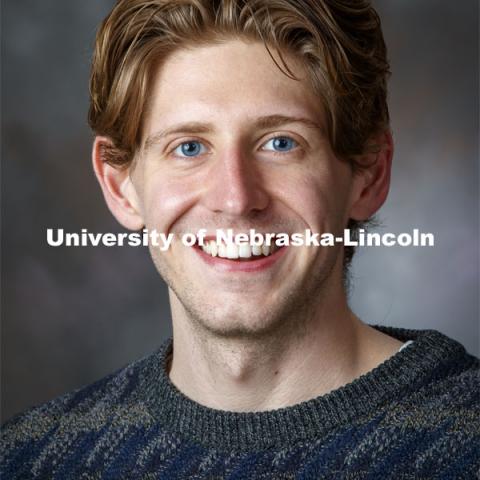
x: 339, y: 42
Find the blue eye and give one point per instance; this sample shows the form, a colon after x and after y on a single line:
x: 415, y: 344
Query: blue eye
x: 280, y: 144
x: 190, y: 149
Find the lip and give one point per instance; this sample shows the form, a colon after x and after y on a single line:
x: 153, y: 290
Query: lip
x: 252, y: 266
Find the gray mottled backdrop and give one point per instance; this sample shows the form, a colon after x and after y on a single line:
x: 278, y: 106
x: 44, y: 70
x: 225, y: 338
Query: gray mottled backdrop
x: 72, y: 315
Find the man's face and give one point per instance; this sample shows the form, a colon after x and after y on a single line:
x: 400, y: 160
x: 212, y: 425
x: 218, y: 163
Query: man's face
x: 232, y: 142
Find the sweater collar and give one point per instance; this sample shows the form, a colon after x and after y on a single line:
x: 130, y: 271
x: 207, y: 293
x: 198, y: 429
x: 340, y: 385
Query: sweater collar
x: 404, y: 371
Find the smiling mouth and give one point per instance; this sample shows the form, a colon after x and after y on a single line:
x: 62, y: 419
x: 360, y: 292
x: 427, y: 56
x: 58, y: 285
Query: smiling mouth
x: 243, y: 252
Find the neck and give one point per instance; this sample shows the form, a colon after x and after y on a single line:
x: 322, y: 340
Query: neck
x: 275, y: 371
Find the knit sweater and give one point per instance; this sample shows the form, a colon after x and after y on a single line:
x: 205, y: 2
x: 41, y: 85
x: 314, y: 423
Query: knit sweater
x: 414, y: 416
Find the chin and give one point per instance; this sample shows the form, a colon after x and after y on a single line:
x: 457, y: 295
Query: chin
x: 240, y: 319
x: 240, y: 328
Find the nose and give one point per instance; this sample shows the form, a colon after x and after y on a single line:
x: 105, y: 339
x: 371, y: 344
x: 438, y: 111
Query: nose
x: 234, y: 187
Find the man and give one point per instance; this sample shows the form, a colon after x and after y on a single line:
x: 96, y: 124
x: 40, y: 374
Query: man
x: 271, y: 116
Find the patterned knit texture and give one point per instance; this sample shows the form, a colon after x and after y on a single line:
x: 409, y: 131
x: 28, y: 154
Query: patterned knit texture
x: 415, y: 416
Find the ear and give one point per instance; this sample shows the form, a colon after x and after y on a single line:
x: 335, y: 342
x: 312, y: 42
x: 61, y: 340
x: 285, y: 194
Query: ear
x: 117, y: 187
x: 371, y: 184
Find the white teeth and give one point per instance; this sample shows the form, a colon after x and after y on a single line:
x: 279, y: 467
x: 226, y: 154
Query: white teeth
x: 244, y: 251
x: 233, y: 251
x: 222, y: 250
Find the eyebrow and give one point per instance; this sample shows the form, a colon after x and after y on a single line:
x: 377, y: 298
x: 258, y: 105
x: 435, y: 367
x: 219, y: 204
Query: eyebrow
x: 269, y: 121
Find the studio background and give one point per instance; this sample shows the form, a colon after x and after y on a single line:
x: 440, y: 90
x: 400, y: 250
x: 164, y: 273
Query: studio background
x: 72, y: 315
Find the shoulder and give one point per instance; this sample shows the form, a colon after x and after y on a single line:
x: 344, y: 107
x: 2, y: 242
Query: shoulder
x: 42, y: 432
x: 446, y: 401
x: 434, y: 421
x: 454, y: 383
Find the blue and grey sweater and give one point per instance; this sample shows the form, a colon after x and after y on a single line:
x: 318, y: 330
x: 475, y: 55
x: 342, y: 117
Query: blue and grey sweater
x: 415, y: 416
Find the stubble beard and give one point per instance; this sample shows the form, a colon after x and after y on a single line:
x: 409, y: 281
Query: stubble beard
x: 290, y: 315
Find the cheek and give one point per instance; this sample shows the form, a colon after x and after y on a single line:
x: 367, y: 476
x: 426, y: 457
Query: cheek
x: 319, y: 196
x: 166, y: 200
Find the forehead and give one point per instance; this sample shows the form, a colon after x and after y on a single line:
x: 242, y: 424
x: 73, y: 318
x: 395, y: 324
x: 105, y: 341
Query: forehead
x: 228, y: 83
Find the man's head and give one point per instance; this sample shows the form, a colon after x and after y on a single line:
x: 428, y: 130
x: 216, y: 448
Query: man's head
x: 242, y: 114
